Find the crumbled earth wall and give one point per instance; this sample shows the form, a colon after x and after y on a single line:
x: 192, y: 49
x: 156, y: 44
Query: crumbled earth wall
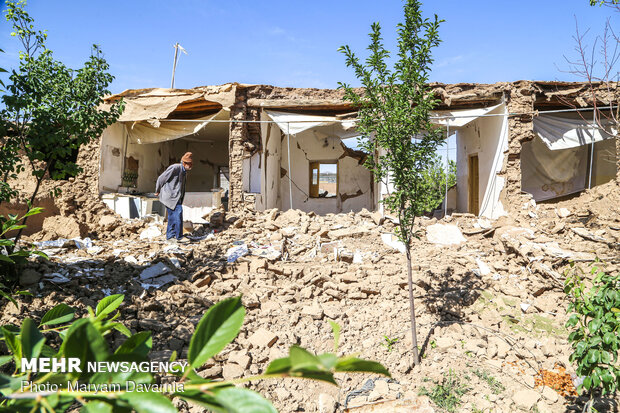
x: 490, y: 309
x: 80, y: 198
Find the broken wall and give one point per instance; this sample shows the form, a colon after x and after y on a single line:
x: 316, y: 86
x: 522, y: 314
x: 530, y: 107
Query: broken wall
x: 354, y: 180
x: 152, y: 159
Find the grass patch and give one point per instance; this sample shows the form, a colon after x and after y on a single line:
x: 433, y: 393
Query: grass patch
x: 495, y: 385
x: 447, y: 394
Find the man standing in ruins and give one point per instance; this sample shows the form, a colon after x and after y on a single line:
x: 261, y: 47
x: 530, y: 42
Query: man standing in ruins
x: 170, y: 189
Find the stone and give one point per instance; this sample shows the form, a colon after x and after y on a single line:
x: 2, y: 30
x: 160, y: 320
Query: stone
x: 257, y: 264
x: 327, y: 403
x: 29, y: 277
x: 282, y: 394
x: 263, y: 338
x: 108, y: 222
x: 525, y: 399
x: 444, y: 234
x: 543, y: 407
x: 348, y: 278
x: 150, y: 233
x: 550, y: 394
x: 63, y: 227
x: 240, y: 357
x: 381, y: 386
x: 563, y: 212
x: 315, y: 311
x: 445, y: 343
x: 420, y: 404
x: 502, y: 347
x: 349, y: 232
x: 217, y: 219
x: 377, y: 218
x: 175, y: 344
x: 232, y: 371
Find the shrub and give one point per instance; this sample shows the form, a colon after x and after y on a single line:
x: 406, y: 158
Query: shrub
x: 595, y: 324
x: 85, y: 339
x: 11, y: 258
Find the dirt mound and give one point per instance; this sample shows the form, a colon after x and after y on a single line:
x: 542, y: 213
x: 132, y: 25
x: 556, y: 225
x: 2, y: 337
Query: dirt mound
x: 490, y: 306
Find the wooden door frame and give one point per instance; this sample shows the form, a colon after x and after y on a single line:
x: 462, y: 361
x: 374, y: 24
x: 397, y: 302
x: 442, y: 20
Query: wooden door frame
x: 471, y: 187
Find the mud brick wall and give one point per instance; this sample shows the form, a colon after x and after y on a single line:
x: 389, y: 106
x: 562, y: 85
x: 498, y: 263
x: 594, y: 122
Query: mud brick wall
x: 520, y: 97
x: 236, y: 138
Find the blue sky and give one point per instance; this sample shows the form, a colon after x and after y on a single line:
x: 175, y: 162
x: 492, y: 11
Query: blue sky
x: 294, y: 43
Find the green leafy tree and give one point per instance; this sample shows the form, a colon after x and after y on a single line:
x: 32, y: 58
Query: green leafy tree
x: 437, y: 180
x: 394, y: 109
x: 110, y: 391
x: 50, y: 110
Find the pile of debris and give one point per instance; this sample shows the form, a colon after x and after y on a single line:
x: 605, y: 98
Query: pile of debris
x: 488, y: 294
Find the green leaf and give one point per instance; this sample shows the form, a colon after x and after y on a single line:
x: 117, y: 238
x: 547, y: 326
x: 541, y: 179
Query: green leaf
x: 303, y: 359
x: 122, y: 329
x: 6, y: 259
x: 33, y: 211
x: 587, y: 382
x: 353, y: 364
x: 608, y: 338
x: 328, y: 360
x: 96, y: 406
x: 594, y: 325
x: 206, y: 400
x: 240, y: 400
x: 32, y: 339
x: 149, y: 402
x: 5, y: 359
x: 85, y: 342
x: 218, y: 327
x: 336, y: 332
x: 9, y: 384
x: 108, y: 304
x: 279, y: 366
x: 119, y: 376
x: 58, y: 315
x: 14, y: 345
x: 140, y: 343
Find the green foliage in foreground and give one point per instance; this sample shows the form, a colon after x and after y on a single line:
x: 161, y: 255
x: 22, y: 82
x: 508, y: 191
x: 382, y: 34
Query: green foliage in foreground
x: 11, y: 259
x: 595, y: 325
x: 85, y: 339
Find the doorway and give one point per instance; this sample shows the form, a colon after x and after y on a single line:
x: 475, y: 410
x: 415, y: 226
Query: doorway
x: 473, y: 185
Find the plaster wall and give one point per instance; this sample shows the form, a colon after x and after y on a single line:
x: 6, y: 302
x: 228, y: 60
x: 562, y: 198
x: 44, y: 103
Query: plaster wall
x: 354, y: 180
x: 154, y: 158
x: 487, y: 137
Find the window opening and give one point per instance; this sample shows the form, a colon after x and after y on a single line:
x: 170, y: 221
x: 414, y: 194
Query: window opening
x: 323, y: 179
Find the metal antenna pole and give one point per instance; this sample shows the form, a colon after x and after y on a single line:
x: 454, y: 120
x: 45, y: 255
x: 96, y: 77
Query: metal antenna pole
x: 174, y: 65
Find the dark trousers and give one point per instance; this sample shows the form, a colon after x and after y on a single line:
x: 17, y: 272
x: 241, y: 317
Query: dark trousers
x: 175, y: 222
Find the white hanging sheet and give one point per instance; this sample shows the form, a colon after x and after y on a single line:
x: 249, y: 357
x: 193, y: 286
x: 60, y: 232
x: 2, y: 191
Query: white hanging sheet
x: 294, y: 123
x: 568, y: 130
x: 154, y: 131
x: 460, y: 117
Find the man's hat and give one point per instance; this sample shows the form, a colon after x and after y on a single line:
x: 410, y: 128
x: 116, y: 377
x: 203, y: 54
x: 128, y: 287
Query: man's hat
x: 187, y: 158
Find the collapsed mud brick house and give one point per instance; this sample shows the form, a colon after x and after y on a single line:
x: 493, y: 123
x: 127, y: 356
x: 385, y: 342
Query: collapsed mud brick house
x: 259, y: 147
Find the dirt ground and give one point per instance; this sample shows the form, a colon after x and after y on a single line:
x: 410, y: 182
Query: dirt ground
x: 489, y: 301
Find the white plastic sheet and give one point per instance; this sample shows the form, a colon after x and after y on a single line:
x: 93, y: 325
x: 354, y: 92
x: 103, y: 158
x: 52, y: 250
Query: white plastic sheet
x: 294, y: 123
x: 568, y: 130
x: 548, y: 174
x: 460, y: 117
x: 154, y: 131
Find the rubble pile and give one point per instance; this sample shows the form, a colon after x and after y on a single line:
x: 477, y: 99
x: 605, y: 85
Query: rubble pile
x: 488, y: 296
